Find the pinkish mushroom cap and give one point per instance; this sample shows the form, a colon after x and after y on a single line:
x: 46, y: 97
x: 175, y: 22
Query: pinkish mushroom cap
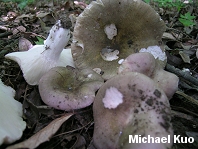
x: 145, y: 63
x: 131, y: 104
x: 67, y: 88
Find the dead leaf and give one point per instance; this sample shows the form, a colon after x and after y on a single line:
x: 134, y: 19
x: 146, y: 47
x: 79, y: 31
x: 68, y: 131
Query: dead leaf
x: 186, y: 47
x: 185, y: 57
x: 43, y: 135
x: 168, y: 36
x: 24, y: 16
x: 42, y: 14
x: 18, y: 29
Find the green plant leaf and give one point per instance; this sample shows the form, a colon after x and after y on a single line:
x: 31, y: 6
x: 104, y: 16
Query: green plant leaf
x: 187, y: 19
x: 186, y: 22
x: 147, y: 1
x: 187, y: 16
x: 40, y: 41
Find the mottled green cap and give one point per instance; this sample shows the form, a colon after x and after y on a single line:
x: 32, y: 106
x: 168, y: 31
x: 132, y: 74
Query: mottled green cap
x: 137, y: 26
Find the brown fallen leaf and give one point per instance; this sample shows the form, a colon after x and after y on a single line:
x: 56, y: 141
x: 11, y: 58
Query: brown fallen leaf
x: 43, y: 135
x: 185, y: 57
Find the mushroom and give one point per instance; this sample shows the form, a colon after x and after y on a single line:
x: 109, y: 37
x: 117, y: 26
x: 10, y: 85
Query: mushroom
x: 107, y: 31
x: 146, y: 64
x: 67, y: 88
x: 11, y: 122
x: 131, y: 104
x: 38, y: 60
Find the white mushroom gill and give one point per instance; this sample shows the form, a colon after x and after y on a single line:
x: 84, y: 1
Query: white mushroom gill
x: 11, y: 122
x: 110, y: 31
x: 112, y: 98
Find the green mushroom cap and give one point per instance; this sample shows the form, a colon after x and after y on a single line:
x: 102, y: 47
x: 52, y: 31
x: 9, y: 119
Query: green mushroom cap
x: 107, y: 31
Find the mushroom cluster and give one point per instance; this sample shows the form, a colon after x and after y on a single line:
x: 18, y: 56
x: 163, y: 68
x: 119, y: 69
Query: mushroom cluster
x: 107, y: 39
x: 135, y: 102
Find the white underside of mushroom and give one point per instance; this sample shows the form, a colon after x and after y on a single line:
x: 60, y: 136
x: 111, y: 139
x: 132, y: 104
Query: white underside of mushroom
x: 11, y: 122
x: 37, y: 61
x: 34, y: 65
x: 156, y: 51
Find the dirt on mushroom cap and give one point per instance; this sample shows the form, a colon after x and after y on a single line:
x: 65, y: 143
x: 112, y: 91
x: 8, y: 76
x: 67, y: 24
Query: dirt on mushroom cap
x: 145, y: 110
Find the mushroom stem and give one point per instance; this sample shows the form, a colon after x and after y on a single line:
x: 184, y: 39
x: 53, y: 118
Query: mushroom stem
x: 56, y: 41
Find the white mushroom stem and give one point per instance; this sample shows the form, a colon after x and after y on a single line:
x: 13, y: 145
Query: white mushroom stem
x: 37, y: 61
x: 11, y: 122
x: 56, y: 41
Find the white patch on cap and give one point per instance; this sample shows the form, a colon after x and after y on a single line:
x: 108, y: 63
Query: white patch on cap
x: 156, y: 51
x: 89, y: 75
x: 109, y: 54
x: 120, y: 61
x: 110, y: 31
x: 112, y: 98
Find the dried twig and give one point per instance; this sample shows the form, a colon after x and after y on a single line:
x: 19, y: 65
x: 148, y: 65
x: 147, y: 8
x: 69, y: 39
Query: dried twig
x: 182, y: 74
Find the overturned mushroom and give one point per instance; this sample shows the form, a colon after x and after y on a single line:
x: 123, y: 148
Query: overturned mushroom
x: 39, y: 59
x: 145, y: 63
x: 67, y: 88
x: 131, y: 104
x: 107, y: 31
